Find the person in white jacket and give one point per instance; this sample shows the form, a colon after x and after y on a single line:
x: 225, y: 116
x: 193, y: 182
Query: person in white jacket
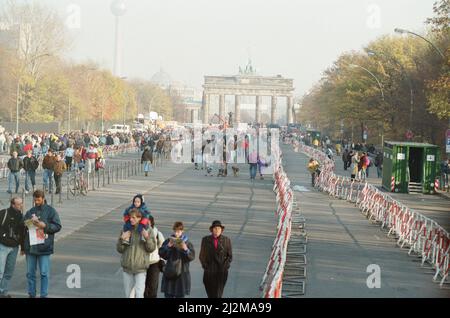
x: 2, y: 142
x: 152, y: 279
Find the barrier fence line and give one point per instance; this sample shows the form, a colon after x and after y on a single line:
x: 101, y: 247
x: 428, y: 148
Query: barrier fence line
x: 422, y: 235
x: 79, y: 182
x: 271, y: 284
x: 107, y: 150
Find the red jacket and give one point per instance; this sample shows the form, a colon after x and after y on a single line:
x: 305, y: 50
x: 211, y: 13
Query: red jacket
x: 27, y: 147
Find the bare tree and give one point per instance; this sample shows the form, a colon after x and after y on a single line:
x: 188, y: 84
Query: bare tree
x: 40, y: 33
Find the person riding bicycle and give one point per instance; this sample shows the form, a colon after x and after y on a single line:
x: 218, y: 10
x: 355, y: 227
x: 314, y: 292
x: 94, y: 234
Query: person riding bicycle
x: 313, y: 167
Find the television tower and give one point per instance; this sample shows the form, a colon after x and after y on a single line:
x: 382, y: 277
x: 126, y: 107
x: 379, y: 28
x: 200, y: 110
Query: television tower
x: 118, y: 9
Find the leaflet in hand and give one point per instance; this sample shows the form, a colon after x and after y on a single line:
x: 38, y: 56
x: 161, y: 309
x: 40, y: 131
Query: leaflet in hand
x: 35, y: 234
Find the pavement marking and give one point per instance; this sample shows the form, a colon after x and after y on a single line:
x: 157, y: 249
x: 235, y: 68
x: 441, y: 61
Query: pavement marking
x: 300, y: 188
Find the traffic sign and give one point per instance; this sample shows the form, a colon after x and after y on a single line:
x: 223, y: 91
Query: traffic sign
x: 409, y: 134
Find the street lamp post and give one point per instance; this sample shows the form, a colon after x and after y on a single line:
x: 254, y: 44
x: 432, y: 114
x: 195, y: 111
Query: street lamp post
x: 295, y: 109
x: 373, y: 75
x: 411, y: 91
x: 17, y: 105
x: 382, y: 98
x: 149, y: 111
x: 402, y: 31
x: 126, y: 101
x: 150, y: 105
x: 68, y: 126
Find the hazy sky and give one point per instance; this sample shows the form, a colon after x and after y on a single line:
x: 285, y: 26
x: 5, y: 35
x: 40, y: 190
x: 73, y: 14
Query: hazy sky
x: 298, y: 39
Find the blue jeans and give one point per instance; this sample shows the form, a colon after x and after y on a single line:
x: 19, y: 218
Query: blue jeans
x: 16, y: 177
x: 48, y: 179
x: 379, y: 172
x: 44, y: 269
x: 253, y: 168
x: 8, y: 256
x: 30, y: 175
x: 147, y: 166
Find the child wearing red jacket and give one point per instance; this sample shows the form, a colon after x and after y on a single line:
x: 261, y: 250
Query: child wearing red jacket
x: 138, y: 203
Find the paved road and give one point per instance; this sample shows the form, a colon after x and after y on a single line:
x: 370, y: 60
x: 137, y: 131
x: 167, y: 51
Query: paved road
x: 342, y: 243
x: 180, y: 193
x: 435, y: 207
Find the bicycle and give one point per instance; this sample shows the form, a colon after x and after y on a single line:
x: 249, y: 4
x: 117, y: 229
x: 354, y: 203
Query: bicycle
x: 77, y: 183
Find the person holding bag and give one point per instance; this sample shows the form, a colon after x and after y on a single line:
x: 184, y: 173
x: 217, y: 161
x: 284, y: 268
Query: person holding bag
x: 152, y: 279
x: 178, y: 252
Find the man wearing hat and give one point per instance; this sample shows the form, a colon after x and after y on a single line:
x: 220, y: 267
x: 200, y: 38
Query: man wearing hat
x: 215, y: 257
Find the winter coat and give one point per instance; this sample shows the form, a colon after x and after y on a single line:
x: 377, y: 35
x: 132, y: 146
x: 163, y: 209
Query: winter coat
x: 50, y: 217
x: 180, y: 286
x: 48, y: 162
x: 11, y: 227
x: 136, y: 256
x: 147, y: 155
x: 379, y: 160
x: 30, y: 164
x: 159, y: 239
x: 143, y: 209
x: 15, y: 147
x: 216, y: 260
x: 15, y: 164
x: 59, y: 167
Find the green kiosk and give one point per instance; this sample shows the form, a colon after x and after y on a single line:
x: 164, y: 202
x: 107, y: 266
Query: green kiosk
x: 410, y: 167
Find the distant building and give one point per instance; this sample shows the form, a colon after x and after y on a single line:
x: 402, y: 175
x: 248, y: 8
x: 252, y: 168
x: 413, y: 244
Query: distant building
x: 187, y: 100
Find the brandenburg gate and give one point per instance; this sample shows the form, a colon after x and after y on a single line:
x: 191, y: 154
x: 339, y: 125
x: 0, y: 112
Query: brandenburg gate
x: 245, y: 84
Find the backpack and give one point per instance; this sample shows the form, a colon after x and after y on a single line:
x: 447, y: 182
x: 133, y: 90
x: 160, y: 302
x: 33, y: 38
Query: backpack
x: 173, y: 266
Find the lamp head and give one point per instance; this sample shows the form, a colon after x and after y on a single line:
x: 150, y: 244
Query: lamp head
x: 400, y: 31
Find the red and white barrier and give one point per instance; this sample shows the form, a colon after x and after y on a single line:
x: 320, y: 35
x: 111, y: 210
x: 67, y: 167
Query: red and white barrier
x: 271, y: 284
x: 422, y: 235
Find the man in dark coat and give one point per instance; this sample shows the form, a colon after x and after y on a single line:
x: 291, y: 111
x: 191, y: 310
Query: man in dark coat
x: 44, y: 221
x: 147, y: 159
x: 11, y: 236
x: 215, y: 257
x: 345, y: 159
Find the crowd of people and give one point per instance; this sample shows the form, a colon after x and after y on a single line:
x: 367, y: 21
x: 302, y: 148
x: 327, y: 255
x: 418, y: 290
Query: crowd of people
x: 55, y: 153
x: 215, y: 157
x: 145, y: 253
x: 360, y: 162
